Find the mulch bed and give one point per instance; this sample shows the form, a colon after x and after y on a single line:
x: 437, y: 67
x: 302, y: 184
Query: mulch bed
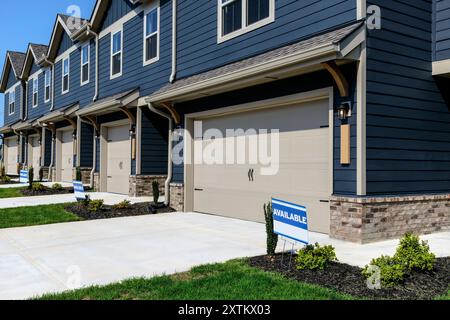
x: 9, y: 182
x: 108, y: 212
x: 348, y: 279
x: 45, y: 192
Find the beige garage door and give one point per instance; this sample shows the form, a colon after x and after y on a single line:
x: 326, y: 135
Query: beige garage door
x: 66, y: 156
x: 303, y: 176
x: 119, y: 160
x: 35, y: 153
x: 11, y: 152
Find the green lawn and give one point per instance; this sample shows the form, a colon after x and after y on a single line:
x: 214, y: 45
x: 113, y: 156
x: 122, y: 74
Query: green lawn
x: 31, y: 216
x: 445, y: 297
x: 11, y: 192
x: 233, y: 280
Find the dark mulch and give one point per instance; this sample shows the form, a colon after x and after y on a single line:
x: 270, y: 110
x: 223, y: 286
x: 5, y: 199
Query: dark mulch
x: 348, y: 279
x: 108, y: 212
x: 45, y: 192
x: 9, y: 182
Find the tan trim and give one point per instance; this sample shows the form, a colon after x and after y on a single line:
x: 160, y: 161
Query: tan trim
x: 441, y: 67
x: 361, y: 184
x: 345, y: 144
x: 320, y: 94
x: 138, y: 141
x: 175, y: 115
x: 361, y: 9
x: 338, y: 77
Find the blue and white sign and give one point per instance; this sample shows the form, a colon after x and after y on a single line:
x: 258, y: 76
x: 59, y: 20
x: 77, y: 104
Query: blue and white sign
x: 78, y: 189
x: 290, y: 221
x: 23, y: 178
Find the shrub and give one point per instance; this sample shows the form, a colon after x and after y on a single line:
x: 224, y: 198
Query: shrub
x: 414, y: 254
x: 95, y: 205
x: 125, y: 204
x: 2, y: 171
x: 57, y: 187
x: 86, y: 201
x: 392, y: 272
x: 155, y: 188
x: 30, y: 178
x: 41, y: 174
x: 315, y: 257
x: 272, y: 238
x: 78, y: 176
x: 37, y: 187
x: 5, y: 179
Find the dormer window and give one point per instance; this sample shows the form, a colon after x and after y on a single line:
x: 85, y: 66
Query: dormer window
x: 237, y: 17
x: 35, y: 91
x: 12, y: 102
x: 65, y: 75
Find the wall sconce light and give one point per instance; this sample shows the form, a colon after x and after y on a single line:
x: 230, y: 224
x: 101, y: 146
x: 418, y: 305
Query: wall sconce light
x: 344, y: 110
x: 132, y: 131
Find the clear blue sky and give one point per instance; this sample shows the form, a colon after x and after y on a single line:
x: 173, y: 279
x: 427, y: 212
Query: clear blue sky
x: 27, y: 21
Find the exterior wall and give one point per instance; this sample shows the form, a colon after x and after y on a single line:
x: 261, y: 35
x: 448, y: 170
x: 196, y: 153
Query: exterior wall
x: 9, y: 119
x: 86, y: 145
x: 48, y: 148
x: 441, y: 25
x: 85, y: 174
x: 199, y: 51
x: 177, y: 196
x: 366, y: 220
x: 116, y: 10
x: 42, y: 107
x: 408, y: 121
x: 344, y: 176
x: 64, y: 44
x: 141, y: 186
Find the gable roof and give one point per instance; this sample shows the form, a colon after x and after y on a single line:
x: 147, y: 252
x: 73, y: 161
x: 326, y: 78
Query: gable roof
x: 99, y: 11
x: 36, y: 53
x: 14, y: 61
x: 64, y: 23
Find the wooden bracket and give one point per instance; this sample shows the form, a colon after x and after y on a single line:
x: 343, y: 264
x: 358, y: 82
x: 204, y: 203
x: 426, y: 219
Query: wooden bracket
x: 72, y: 122
x: 175, y: 115
x: 130, y: 116
x: 338, y: 78
x: 94, y: 123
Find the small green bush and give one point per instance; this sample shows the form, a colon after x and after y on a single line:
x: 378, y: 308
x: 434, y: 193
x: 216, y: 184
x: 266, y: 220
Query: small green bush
x: 272, y: 238
x: 414, y: 254
x: 155, y: 187
x: 30, y: 178
x: 57, y: 187
x: 78, y: 176
x: 86, y: 201
x: 41, y: 174
x: 392, y: 272
x: 315, y: 257
x: 37, y: 187
x: 5, y: 179
x: 2, y: 171
x: 125, y: 204
x: 95, y: 205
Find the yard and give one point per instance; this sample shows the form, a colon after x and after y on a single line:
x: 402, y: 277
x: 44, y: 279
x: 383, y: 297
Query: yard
x: 11, y: 192
x: 32, y: 216
x: 233, y: 280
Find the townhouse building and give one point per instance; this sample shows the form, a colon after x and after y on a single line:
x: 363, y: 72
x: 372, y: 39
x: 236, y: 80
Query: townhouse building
x: 358, y: 91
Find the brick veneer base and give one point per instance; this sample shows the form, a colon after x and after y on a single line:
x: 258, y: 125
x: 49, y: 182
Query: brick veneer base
x: 141, y: 186
x: 85, y: 174
x: 366, y: 220
x: 177, y: 196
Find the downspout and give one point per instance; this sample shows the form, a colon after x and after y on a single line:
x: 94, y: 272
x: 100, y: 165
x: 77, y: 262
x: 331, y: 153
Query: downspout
x: 169, y: 160
x: 52, y: 64
x: 89, y: 31
x: 174, y: 42
x: 94, y: 156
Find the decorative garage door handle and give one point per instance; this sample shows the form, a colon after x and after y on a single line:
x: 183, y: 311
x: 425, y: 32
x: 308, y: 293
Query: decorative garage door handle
x: 250, y: 175
x: 109, y: 177
x: 196, y: 189
x: 120, y: 165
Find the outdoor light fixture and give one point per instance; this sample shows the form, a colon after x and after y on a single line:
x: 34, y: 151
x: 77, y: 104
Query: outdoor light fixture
x: 344, y: 110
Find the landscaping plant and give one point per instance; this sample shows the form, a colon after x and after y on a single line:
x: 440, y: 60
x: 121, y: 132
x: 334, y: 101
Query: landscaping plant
x: 414, y: 254
x: 272, y: 238
x: 41, y: 174
x: 155, y: 188
x: 391, y: 271
x: 57, y: 187
x: 315, y: 257
x: 125, y: 204
x: 78, y: 176
x: 95, y: 205
x: 30, y: 178
x: 37, y: 187
x: 2, y: 172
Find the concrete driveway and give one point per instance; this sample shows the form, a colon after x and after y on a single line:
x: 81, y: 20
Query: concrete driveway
x: 53, y: 258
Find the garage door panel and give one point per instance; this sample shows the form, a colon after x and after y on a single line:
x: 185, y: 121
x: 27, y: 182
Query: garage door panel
x: 119, y: 160
x: 36, y: 153
x: 66, y: 156
x: 11, y: 156
x: 304, y: 171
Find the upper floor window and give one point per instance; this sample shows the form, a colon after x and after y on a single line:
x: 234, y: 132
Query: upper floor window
x: 12, y: 101
x: 151, y: 36
x: 47, y: 84
x: 65, y: 75
x: 85, y: 50
x: 35, y: 91
x: 116, y: 54
x: 237, y: 17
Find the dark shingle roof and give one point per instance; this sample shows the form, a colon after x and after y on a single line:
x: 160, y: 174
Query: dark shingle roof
x: 330, y: 37
x: 39, y: 50
x: 73, y: 24
x: 17, y: 61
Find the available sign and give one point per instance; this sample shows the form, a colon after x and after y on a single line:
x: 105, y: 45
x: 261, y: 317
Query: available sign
x: 23, y: 178
x: 78, y: 189
x: 290, y: 220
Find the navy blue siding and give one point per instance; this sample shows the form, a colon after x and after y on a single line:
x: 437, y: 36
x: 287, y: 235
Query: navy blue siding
x: 441, y: 15
x: 197, y: 31
x: 344, y: 176
x: 77, y: 93
x: 64, y: 44
x: 153, y: 144
x: 408, y: 121
x: 48, y: 148
x: 9, y: 119
x: 12, y: 80
x: 34, y: 68
x: 86, y: 145
x: 116, y: 10
x: 134, y: 74
x: 42, y: 107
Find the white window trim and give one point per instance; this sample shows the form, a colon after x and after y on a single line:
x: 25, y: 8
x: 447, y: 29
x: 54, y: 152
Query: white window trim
x: 47, y: 85
x: 13, y: 90
x: 35, y: 90
x: 87, y: 63
x: 158, y: 34
x: 117, y: 75
x: 62, y: 76
x: 245, y: 28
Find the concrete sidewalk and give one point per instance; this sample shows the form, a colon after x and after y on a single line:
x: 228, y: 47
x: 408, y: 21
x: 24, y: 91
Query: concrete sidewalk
x: 109, y: 198
x: 44, y: 259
